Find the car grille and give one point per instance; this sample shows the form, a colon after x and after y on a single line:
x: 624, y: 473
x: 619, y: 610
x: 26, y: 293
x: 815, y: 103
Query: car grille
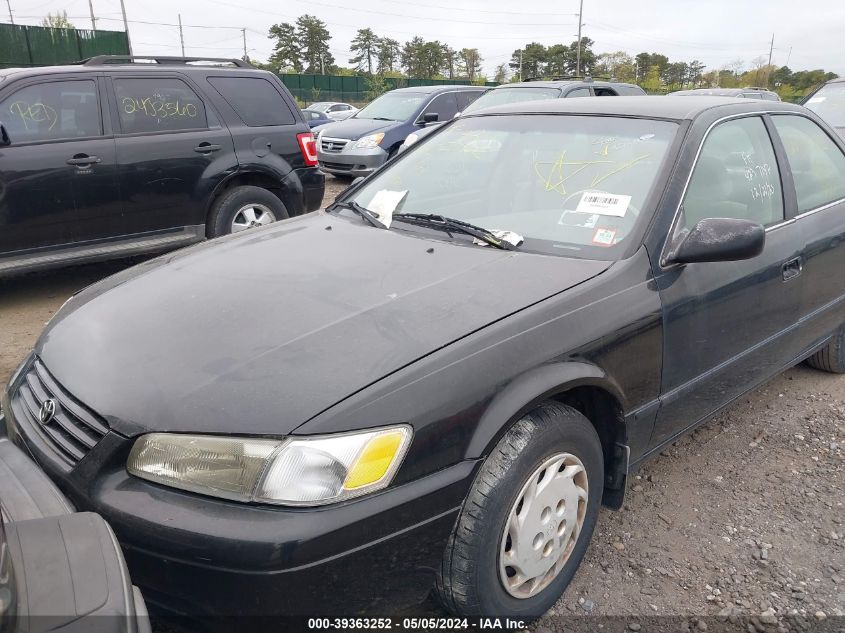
x: 335, y: 166
x: 73, y: 429
x: 333, y: 145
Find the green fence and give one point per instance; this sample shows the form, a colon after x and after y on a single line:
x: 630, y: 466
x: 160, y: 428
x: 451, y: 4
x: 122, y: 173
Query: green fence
x: 22, y: 45
x: 351, y: 89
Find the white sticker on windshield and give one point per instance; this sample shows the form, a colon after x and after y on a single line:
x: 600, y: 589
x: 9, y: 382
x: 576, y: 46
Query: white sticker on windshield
x: 384, y: 203
x: 603, y: 204
x: 515, y: 239
x: 816, y: 100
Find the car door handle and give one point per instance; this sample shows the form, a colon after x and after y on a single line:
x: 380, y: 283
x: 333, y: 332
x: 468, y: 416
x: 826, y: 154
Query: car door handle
x: 792, y: 268
x: 206, y: 148
x: 82, y: 160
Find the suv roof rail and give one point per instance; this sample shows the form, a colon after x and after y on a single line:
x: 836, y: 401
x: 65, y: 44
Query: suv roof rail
x: 756, y: 88
x: 99, y: 60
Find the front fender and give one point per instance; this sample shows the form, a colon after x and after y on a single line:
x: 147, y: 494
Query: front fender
x: 526, y: 391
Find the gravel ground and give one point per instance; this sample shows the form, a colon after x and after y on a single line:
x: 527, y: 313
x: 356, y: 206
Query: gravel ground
x: 738, y: 525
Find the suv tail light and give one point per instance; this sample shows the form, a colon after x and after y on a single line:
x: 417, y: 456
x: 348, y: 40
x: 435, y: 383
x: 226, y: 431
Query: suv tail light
x: 308, y: 145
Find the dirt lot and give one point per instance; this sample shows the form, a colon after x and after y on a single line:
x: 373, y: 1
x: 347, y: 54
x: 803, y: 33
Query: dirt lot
x: 743, y: 517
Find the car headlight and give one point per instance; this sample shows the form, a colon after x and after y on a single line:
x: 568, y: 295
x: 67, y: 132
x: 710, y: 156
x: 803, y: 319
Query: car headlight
x: 370, y: 141
x: 295, y: 471
x: 411, y: 139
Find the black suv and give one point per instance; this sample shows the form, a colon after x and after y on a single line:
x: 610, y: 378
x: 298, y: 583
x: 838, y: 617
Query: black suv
x: 114, y: 157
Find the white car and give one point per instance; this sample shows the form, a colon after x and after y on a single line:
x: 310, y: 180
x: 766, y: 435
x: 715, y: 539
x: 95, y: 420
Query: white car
x: 334, y: 109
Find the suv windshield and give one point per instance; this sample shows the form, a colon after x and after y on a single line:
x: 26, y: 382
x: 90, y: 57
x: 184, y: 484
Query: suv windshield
x: 503, y: 96
x: 829, y: 103
x: 320, y: 107
x: 570, y: 185
x: 393, y: 106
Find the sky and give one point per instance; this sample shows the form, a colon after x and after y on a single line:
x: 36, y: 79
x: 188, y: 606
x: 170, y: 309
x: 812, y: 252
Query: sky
x: 715, y: 32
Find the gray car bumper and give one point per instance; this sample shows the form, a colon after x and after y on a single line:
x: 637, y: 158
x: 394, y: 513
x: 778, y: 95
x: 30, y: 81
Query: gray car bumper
x: 351, y: 162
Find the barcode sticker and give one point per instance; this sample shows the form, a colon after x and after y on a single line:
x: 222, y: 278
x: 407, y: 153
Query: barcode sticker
x: 603, y: 204
x: 604, y: 237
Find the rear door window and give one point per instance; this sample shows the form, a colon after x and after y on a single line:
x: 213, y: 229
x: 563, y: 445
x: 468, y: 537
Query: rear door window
x: 578, y: 92
x: 465, y: 97
x: 52, y: 110
x: 158, y: 104
x: 255, y: 100
x: 817, y: 164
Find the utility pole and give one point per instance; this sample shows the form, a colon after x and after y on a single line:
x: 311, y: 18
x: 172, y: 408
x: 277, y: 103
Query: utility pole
x: 93, y: 19
x: 181, y: 35
x: 9, y: 4
x: 125, y: 26
x: 578, y: 54
x: 769, y: 65
x: 246, y: 57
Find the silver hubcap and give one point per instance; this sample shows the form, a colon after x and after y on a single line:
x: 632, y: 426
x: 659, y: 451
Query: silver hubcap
x: 251, y: 216
x: 543, y: 525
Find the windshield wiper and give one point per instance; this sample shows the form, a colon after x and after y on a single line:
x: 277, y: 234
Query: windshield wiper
x: 436, y: 221
x: 380, y: 118
x: 365, y: 213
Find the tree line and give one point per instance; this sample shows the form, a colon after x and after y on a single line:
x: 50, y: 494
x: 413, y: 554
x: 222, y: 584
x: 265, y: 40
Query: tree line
x: 304, y: 47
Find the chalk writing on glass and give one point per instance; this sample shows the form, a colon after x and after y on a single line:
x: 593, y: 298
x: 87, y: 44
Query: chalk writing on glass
x: 758, y: 176
x: 34, y: 113
x: 157, y: 108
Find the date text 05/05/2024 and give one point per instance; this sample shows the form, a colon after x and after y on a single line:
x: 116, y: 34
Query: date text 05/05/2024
x: 411, y: 624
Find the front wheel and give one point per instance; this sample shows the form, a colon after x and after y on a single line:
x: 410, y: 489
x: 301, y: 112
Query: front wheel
x: 243, y: 208
x: 528, y: 519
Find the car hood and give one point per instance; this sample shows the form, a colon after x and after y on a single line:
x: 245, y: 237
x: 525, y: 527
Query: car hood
x: 259, y: 332
x: 353, y: 128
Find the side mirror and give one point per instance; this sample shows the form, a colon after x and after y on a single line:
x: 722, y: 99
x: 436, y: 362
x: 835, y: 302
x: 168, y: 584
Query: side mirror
x: 430, y: 117
x: 719, y: 240
x: 4, y: 136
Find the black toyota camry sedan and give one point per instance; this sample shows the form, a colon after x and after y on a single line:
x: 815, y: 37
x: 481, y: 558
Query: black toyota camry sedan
x: 438, y: 380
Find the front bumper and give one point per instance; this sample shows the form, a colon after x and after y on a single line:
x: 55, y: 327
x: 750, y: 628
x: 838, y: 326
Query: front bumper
x: 202, y: 556
x: 351, y: 162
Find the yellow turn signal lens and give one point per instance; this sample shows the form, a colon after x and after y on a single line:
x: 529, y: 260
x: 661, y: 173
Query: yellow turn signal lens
x: 375, y: 460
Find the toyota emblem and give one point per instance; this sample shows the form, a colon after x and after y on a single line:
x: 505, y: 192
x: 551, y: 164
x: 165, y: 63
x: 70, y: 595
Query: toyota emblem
x: 47, y: 411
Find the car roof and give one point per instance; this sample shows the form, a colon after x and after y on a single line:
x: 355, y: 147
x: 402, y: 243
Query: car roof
x: 657, y: 107
x: 434, y: 89
x: 560, y: 83
x: 128, y: 67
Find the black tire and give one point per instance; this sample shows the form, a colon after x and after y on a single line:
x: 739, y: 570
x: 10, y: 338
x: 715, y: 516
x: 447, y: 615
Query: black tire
x: 468, y: 582
x: 831, y: 357
x: 223, y: 212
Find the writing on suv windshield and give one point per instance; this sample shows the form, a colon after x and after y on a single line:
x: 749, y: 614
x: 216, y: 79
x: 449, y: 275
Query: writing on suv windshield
x: 570, y: 185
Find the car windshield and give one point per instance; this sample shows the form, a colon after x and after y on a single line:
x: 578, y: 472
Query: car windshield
x: 393, y: 106
x: 320, y: 107
x: 503, y: 96
x: 829, y: 103
x: 569, y: 185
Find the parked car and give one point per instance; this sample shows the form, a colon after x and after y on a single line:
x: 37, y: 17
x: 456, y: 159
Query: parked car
x: 829, y: 103
x: 535, y: 91
x: 114, y: 157
x: 750, y: 92
x: 60, y: 570
x: 334, y: 110
x: 315, y: 119
x: 359, y: 145
x: 480, y: 343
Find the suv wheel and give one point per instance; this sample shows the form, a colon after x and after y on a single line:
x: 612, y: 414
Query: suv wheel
x: 528, y: 518
x: 244, y: 208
